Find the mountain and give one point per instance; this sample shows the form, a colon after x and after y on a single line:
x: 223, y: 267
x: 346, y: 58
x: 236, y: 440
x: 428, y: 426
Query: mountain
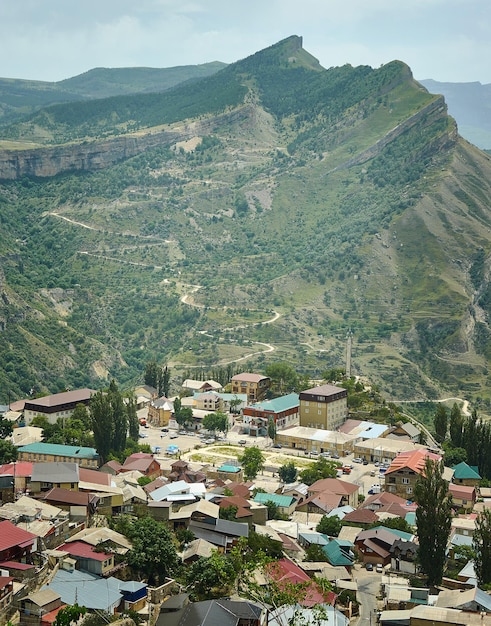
x: 470, y: 105
x: 256, y: 215
x: 20, y: 97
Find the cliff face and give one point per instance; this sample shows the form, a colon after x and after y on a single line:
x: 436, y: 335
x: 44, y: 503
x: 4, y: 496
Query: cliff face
x: 96, y: 155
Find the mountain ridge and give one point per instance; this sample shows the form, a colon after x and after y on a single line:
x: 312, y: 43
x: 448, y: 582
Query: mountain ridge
x: 249, y: 202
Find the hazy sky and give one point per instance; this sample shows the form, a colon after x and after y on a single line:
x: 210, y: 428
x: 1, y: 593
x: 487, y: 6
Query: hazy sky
x: 447, y: 40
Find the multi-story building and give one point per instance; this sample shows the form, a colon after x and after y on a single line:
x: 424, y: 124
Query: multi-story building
x: 283, y: 411
x: 404, y: 471
x: 323, y: 407
x: 58, y: 405
x: 254, y: 385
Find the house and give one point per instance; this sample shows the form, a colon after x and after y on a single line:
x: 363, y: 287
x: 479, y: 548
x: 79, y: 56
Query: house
x: 6, y: 592
x: 374, y: 544
x: 407, y: 432
x: 14, y: 478
x: 403, y: 556
x: 464, y: 474
x: 86, y: 589
x: 144, y: 463
x: 316, y: 440
x: 54, y: 452
x: 98, y: 537
x: 16, y: 544
x: 463, y: 497
x: 286, y: 504
x: 221, y: 612
x: 339, y: 552
x: 196, y: 549
x: 60, y: 474
x: 223, y: 534
x: 285, y: 573
x: 56, y: 406
x: 88, y: 558
x: 361, y: 517
x: 201, y: 385
x: 35, y: 606
x: 255, y: 386
x: 324, y: 407
x: 284, y: 411
x: 160, y: 411
x: 404, y: 471
x: 347, y: 491
x: 79, y: 505
x: 144, y: 394
x: 474, y: 600
x: 213, y: 401
x: 180, y: 470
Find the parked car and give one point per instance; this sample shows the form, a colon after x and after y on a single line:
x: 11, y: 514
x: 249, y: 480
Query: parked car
x: 379, y: 569
x: 357, y: 460
x: 346, y: 470
x: 242, y: 442
x: 277, y: 445
x: 374, y: 489
x: 335, y: 455
x: 164, y: 430
x: 173, y: 436
x: 369, y: 567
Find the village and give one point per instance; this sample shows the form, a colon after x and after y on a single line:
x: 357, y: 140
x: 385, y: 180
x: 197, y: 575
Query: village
x: 339, y: 537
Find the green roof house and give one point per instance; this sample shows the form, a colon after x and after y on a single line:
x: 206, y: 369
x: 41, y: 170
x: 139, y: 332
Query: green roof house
x: 464, y: 474
x: 55, y: 453
x: 285, y: 504
x: 339, y: 551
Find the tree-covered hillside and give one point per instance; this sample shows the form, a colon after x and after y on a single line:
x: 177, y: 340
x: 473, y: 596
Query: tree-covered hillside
x: 324, y: 201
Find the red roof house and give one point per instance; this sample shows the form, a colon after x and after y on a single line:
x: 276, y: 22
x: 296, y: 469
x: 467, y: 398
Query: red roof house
x: 285, y: 573
x: 16, y: 544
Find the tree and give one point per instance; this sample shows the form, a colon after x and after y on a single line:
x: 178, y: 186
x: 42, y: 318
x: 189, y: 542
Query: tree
x: 440, y: 423
x: 288, y: 472
x: 271, y: 429
x: 8, y: 452
x: 322, y: 468
x: 119, y: 417
x: 132, y: 418
x: 433, y: 519
x: 153, y: 554
x: 329, y: 525
x: 283, y: 377
x: 210, y: 577
x: 102, y: 424
x: 234, y: 403
x: 151, y: 377
x: 252, y: 462
x: 481, y: 543
x: 456, y: 426
x: 5, y: 428
x: 228, y: 512
x: 216, y: 421
x: 69, y: 614
x: 163, y: 383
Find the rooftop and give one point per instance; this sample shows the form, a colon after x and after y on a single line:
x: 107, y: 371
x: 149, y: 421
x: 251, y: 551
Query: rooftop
x: 57, y: 449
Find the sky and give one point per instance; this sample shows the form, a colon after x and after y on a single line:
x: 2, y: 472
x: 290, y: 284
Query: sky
x: 446, y: 40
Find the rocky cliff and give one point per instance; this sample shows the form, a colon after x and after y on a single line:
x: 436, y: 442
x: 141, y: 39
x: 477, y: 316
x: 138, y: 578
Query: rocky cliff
x: 96, y: 155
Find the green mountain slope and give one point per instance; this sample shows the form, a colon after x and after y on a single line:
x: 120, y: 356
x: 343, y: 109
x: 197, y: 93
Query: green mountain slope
x: 295, y: 204
x: 19, y: 98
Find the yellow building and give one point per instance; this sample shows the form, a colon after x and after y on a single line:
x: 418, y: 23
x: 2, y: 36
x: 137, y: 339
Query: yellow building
x: 323, y: 407
x: 254, y: 385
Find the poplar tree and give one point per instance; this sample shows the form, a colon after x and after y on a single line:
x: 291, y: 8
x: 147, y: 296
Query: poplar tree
x: 481, y: 543
x: 433, y: 519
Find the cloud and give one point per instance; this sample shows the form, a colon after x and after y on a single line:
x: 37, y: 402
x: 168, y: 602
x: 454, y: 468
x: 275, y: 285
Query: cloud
x: 55, y: 39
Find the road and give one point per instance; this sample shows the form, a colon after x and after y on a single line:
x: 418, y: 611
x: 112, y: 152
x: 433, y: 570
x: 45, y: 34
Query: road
x: 368, y: 590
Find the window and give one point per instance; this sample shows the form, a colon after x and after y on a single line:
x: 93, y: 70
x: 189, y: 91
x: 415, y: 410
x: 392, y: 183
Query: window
x: 405, y: 481
x: 409, y: 490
